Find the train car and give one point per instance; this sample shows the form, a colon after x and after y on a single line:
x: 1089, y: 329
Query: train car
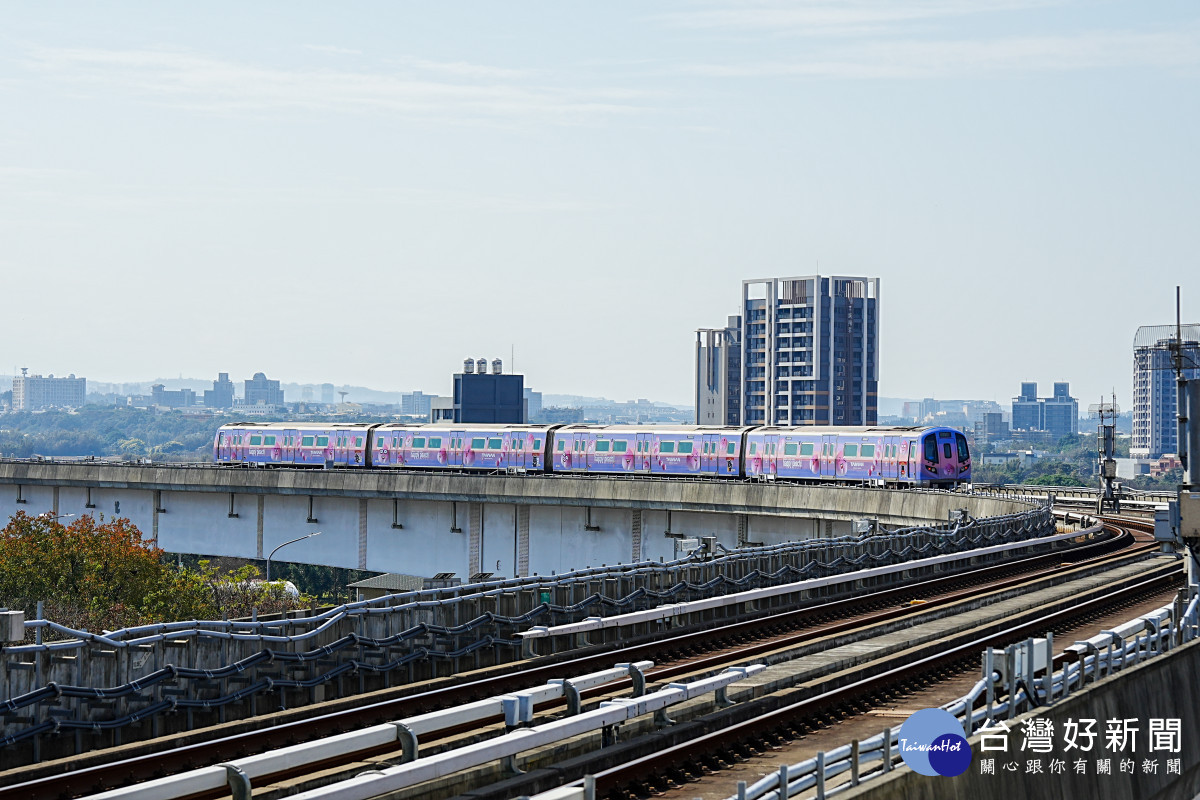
x: 651, y: 450
x: 514, y: 448
x: 293, y: 444
x: 903, y: 456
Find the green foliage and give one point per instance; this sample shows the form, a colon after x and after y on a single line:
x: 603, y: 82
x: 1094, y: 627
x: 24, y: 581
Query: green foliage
x: 1045, y: 472
x: 103, y: 576
x: 321, y: 584
x: 93, y: 576
x: 107, y: 431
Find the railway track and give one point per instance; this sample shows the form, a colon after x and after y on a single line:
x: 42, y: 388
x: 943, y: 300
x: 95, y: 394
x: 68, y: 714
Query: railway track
x: 672, y: 766
x: 692, y: 653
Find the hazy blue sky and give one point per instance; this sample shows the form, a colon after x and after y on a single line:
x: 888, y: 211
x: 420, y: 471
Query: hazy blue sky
x: 368, y: 192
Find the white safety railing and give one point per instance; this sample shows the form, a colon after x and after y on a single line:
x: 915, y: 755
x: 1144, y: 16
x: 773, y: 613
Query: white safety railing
x: 609, y: 714
x: 517, y: 708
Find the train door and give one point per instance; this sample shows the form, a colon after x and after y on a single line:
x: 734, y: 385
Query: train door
x: 710, y: 459
x: 829, y: 455
x: 641, y: 452
x: 223, y: 445
x: 770, y: 456
x: 511, y: 452
x: 579, y: 452
x: 287, y: 452
x: 454, y: 449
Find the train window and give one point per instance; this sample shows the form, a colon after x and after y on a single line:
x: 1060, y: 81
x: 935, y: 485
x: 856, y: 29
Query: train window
x: 730, y: 449
x: 255, y: 440
x: 493, y: 444
x: 435, y: 442
x: 963, y: 454
x: 666, y: 447
x: 791, y: 449
x: 322, y: 441
x: 806, y: 449
x: 358, y: 441
x: 850, y: 451
x: 868, y: 451
x: 685, y: 448
x: 772, y: 449
x: 537, y: 444
x: 307, y: 441
x: 947, y: 451
x: 418, y: 443
x: 477, y: 444
x: 268, y: 440
x: 561, y: 443
x: 931, y: 448
x: 515, y: 444
x: 602, y: 447
x: 620, y: 447
x: 753, y: 448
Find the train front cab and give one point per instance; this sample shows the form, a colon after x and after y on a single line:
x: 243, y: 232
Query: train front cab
x: 945, y: 459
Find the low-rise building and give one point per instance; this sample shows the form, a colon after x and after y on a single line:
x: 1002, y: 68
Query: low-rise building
x: 35, y: 393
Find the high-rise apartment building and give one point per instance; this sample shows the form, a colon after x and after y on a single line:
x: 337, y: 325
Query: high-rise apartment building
x: 1155, y: 426
x: 34, y: 393
x: 809, y: 352
x: 719, y: 374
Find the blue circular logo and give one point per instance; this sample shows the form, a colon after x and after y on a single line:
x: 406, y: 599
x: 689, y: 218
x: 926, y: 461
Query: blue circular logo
x: 932, y: 743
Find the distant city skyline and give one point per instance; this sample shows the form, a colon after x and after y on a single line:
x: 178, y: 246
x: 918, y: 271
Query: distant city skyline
x: 367, y: 197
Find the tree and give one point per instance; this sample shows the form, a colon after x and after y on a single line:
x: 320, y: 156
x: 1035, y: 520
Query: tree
x: 94, y: 576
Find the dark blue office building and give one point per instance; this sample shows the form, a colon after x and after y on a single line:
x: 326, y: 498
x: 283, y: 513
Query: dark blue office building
x: 489, y: 398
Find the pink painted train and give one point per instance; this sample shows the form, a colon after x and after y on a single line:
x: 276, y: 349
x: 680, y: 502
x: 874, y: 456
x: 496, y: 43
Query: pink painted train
x: 899, y: 456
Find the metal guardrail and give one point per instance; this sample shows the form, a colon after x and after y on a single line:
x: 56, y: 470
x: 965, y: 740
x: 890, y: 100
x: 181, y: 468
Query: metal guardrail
x: 1129, y: 644
x: 1034, y: 490
x: 668, y: 612
x: 238, y: 775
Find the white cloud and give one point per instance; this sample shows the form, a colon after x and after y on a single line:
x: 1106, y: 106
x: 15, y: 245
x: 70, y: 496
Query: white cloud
x: 202, y: 82
x: 937, y: 58
x: 841, y: 17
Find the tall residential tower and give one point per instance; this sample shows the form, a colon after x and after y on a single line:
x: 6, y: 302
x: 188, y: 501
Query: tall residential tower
x: 1155, y: 429
x: 807, y: 354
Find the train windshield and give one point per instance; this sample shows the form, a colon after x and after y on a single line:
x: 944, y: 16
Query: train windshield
x: 963, y: 454
x: 931, y: 448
